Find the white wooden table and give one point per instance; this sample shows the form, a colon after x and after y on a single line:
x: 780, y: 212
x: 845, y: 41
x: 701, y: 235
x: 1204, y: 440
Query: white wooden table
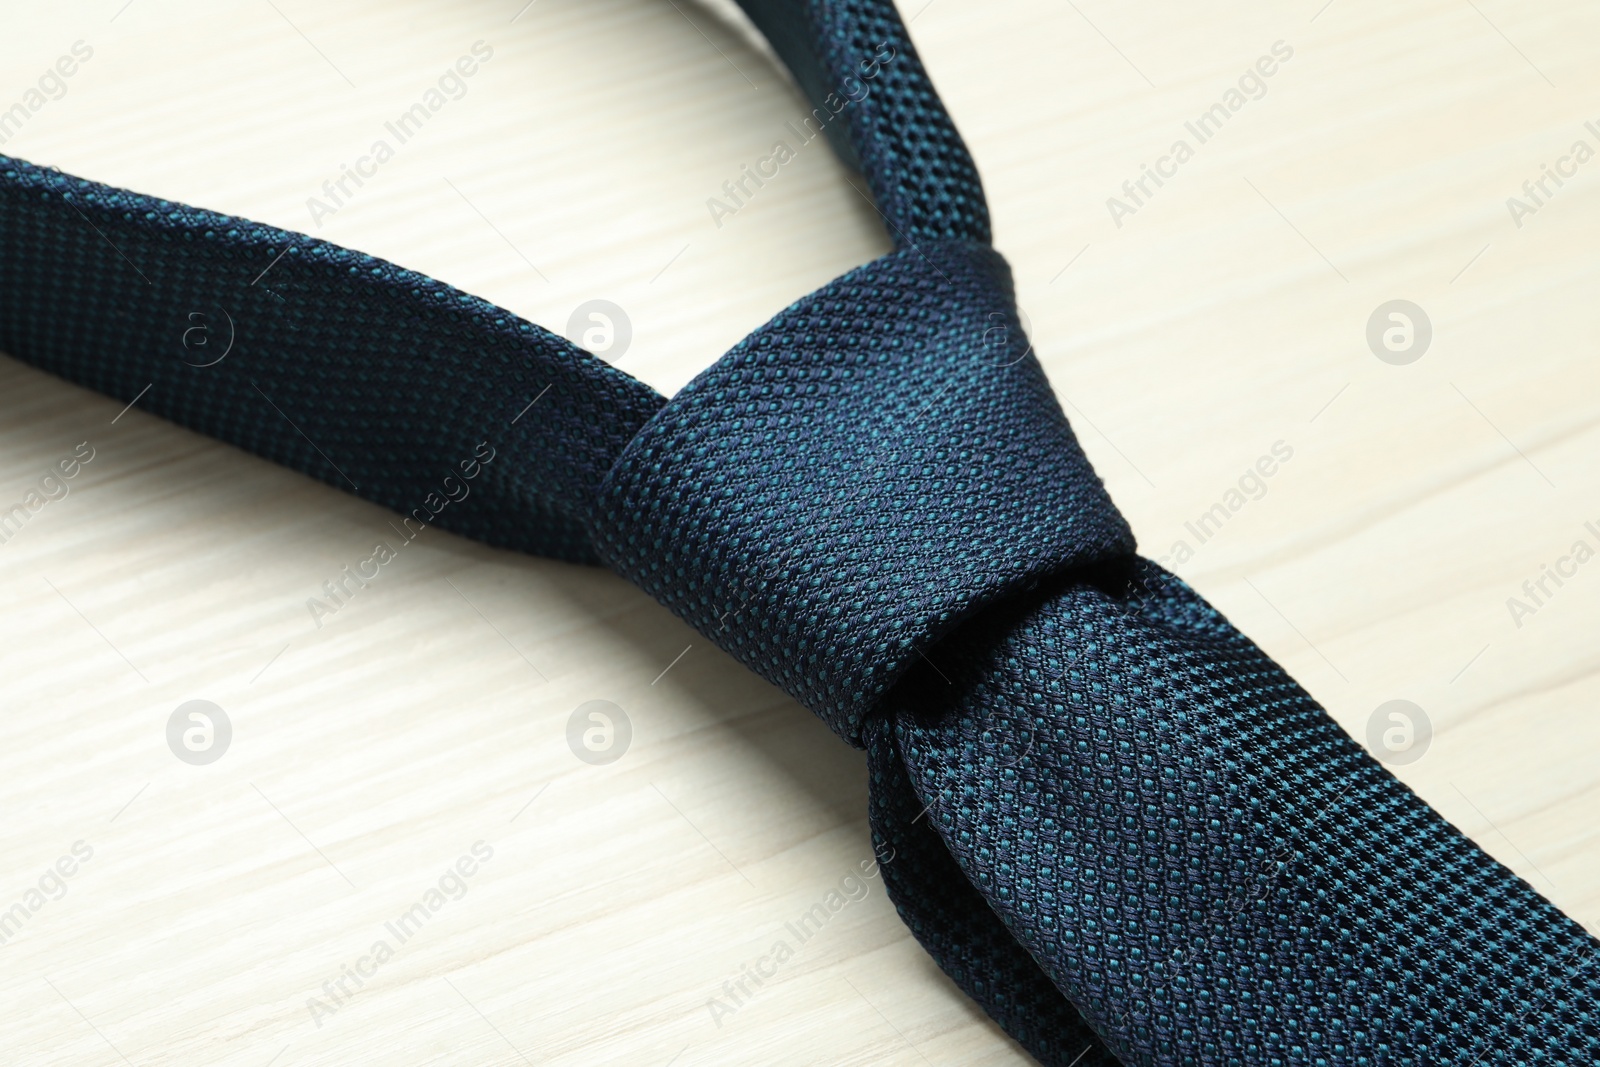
x: 226, y: 913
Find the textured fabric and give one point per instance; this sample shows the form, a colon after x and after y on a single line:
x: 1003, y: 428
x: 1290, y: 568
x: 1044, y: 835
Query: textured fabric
x: 359, y: 373
x: 1112, y: 820
x: 951, y: 918
x: 847, y: 484
x: 1205, y: 863
x: 895, y: 129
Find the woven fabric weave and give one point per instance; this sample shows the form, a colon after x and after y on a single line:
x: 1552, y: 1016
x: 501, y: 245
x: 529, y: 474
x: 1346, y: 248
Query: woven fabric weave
x: 362, y: 374
x: 871, y: 466
x: 1112, y: 820
x: 1205, y: 864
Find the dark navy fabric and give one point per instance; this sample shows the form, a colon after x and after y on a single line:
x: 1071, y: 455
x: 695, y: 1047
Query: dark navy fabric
x: 1206, y: 865
x: 362, y: 374
x: 954, y: 921
x: 1112, y: 820
x: 895, y: 129
x: 855, y: 478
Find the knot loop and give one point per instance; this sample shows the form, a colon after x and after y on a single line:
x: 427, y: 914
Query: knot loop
x: 874, y: 464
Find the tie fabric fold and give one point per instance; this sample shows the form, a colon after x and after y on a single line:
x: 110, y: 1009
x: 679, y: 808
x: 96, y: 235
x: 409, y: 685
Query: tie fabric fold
x: 1119, y: 826
x: 1202, y: 861
x: 869, y: 467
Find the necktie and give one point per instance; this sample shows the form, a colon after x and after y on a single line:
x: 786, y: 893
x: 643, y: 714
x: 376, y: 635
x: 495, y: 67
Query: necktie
x: 1118, y: 825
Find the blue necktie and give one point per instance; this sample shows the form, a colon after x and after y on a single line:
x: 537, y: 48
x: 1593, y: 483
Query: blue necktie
x: 1118, y: 825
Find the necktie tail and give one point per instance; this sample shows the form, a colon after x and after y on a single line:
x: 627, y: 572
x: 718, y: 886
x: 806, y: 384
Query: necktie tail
x: 1203, y: 862
x: 955, y: 924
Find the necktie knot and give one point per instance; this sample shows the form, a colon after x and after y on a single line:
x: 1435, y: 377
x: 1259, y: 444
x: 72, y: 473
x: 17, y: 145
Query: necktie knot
x: 1114, y: 822
x: 879, y: 461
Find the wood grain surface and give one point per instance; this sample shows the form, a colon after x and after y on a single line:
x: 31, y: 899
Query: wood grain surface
x: 412, y: 749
